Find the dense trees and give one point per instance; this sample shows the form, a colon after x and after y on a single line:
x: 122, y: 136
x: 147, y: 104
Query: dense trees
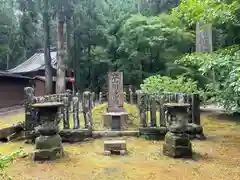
x: 140, y: 37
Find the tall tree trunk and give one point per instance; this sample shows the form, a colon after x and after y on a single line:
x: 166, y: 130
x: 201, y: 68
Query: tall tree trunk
x: 60, y: 81
x: 69, y: 45
x: 47, y: 56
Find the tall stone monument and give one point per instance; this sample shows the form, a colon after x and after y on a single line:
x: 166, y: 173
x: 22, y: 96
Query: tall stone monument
x: 203, y: 37
x: 116, y: 117
x: 115, y: 92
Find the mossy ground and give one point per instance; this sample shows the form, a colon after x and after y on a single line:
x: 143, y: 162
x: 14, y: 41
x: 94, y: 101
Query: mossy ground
x: 217, y: 158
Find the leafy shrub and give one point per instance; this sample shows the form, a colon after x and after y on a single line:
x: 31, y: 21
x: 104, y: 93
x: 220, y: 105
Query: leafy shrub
x: 222, y: 69
x: 158, y: 84
x: 6, y: 160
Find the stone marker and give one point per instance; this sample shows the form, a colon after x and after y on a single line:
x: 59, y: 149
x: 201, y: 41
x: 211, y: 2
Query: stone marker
x: 115, y: 92
x: 116, y: 117
x: 115, y: 146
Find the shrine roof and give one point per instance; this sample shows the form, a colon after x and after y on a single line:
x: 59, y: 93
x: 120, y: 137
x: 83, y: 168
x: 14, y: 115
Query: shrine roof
x: 34, y: 63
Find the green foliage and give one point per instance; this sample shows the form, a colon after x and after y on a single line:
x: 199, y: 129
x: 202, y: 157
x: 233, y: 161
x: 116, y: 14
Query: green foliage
x: 207, y: 11
x: 222, y: 69
x: 150, y: 42
x: 158, y: 84
x: 6, y: 160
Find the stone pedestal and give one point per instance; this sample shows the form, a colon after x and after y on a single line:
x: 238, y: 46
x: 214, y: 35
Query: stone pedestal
x: 115, y: 120
x: 177, y: 145
x: 48, y: 148
x: 152, y: 133
x: 115, y: 146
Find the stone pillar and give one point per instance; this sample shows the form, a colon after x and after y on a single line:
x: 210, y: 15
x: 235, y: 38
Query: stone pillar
x: 70, y: 96
x: 76, y: 112
x: 93, y: 98
x: 131, y: 96
x: 142, y: 101
x: 30, y: 115
x: 66, y: 124
x: 195, y: 108
x: 115, y: 92
x: 125, y: 96
x: 87, y: 106
x: 203, y: 37
x: 100, y: 98
x: 153, y: 110
x: 181, y: 99
x: 162, y: 111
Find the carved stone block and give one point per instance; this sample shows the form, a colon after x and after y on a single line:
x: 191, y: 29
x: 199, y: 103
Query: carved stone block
x: 115, y: 121
x: 115, y: 146
x: 177, y: 145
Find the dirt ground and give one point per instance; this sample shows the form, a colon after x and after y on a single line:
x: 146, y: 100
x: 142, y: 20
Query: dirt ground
x: 217, y: 158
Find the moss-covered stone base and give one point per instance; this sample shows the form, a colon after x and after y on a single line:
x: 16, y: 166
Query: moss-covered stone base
x: 152, y: 133
x: 177, y: 145
x: 74, y: 135
x: 48, y: 148
x: 48, y: 154
x: 195, y: 131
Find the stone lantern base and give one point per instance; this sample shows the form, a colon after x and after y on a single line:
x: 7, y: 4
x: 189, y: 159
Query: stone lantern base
x: 48, y: 148
x: 177, y: 145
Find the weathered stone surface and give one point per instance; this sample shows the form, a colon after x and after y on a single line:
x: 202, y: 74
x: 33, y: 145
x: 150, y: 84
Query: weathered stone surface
x: 195, y: 131
x: 177, y: 151
x: 115, y: 92
x: 75, y: 135
x: 114, y: 146
x: 177, y: 145
x: 98, y: 134
x: 176, y: 140
x: 153, y: 133
x: 48, y: 142
x: 5, y: 132
x: 87, y: 107
x: 108, y: 119
x: 48, y: 129
x: 48, y: 154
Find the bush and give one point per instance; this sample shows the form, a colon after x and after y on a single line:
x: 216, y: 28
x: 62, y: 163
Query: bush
x: 6, y: 160
x: 158, y: 84
x: 222, y: 69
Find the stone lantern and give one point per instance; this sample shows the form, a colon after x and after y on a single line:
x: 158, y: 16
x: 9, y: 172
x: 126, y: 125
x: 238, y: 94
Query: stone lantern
x: 177, y: 143
x: 49, y: 143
